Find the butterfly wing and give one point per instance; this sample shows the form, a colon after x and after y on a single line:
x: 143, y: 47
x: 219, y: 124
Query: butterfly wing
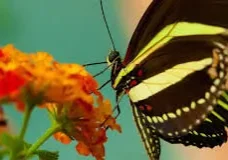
x: 178, y: 87
x: 162, y: 13
x: 211, y: 132
x: 207, y: 134
x: 148, y: 134
x: 173, y: 48
x: 220, y: 113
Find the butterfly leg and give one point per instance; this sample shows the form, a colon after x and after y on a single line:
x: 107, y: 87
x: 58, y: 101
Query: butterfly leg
x: 119, y: 96
x: 117, y: 107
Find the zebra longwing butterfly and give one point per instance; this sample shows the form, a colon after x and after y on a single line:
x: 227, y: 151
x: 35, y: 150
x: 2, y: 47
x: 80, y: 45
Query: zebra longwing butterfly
x: 175, y: 73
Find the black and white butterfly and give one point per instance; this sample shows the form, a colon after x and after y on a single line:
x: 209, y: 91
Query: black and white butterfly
x: 175, y: 73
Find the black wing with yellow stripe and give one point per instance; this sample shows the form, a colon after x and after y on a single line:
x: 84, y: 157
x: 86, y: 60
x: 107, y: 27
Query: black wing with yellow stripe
x: 149, y: 136
x: 179, y: 89
x: 205, y: 135
x: 162, y: 13
x: 180, y: 50
x: 211, y: 132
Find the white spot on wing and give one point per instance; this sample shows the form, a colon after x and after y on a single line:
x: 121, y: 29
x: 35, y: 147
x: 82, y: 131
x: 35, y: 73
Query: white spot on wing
x: 178, y: 112
x: 213, y: 89
x: 185, y: 109
x: 193, y: 105
x: 207, y: 95
x: 172, y: 115
x: 164, y: 116
x: 160, y: 119
x: 201, y: 101
x: 221, y: 74
x: 155, y: 119
x: 149, y: 119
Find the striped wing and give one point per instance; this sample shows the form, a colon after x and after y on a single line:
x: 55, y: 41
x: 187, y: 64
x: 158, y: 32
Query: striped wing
x: 162, y: 13
x: 219, y: 115
x: 211, y: 132
x: 176, y: 95
x: 148, y: 134
x: 207, y: 134
x: 178, y: 87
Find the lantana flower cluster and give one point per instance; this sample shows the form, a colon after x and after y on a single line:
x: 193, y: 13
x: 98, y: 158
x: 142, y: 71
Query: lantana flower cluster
x: 67, y: 91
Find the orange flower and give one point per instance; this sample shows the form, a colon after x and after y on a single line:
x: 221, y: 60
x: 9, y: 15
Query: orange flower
x: 84, y: 122
x: 63, y: 138
x: 68, y: 91
x: 40, y: 73
x: 82, y: 149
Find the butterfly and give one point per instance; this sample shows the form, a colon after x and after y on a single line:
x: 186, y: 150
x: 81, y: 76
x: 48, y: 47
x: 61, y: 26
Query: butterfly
x: 175, y: 74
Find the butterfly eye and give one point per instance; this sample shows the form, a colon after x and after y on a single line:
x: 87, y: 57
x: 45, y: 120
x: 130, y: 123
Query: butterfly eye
x: 113, y: 56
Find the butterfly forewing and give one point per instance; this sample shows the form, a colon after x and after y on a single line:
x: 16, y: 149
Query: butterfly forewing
x: 162, y: 13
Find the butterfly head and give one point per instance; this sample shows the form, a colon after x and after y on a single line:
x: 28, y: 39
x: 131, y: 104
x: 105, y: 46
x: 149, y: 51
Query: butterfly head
x: 113, y: 57
x: 114, y: 60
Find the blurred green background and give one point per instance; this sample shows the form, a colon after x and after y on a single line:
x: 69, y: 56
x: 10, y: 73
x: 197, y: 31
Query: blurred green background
x: 73, y: 31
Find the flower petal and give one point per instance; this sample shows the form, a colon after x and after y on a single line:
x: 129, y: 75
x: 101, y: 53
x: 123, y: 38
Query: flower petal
x: 83, y: 149
x: 63, y: 138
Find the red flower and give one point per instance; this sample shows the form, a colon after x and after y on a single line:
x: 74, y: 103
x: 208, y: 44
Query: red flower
x: 10, y: 83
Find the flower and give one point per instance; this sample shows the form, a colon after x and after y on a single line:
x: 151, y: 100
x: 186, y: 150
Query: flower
x: 86, y: 123
x: 10, y: 83
x: 38, y: 73
x: 63, y: 138
x: 86, y: 118
x: 68, y: 91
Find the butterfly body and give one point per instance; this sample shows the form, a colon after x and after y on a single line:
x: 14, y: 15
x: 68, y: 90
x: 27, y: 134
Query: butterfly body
x: 175, y: 73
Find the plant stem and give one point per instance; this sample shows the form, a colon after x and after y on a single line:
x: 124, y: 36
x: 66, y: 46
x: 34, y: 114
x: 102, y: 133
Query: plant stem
x: 26, y: 118
x: 12, y: 156
x: 55, y: 128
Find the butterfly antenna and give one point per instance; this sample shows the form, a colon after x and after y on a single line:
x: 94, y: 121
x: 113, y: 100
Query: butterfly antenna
x: 106, y: 25
x: 91, y: 64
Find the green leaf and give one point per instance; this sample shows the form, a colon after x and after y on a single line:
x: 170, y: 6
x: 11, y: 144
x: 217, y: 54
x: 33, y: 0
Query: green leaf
x: 47, y: 155
x: 14, y: 145
x: 6, y: 140
x: 3, y: 153
x: 18, y: 145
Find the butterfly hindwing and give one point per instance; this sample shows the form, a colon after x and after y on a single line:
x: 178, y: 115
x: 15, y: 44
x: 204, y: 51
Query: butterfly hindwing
x: 219, y: 115
x: 148, y: 134
x: 206, y: 134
